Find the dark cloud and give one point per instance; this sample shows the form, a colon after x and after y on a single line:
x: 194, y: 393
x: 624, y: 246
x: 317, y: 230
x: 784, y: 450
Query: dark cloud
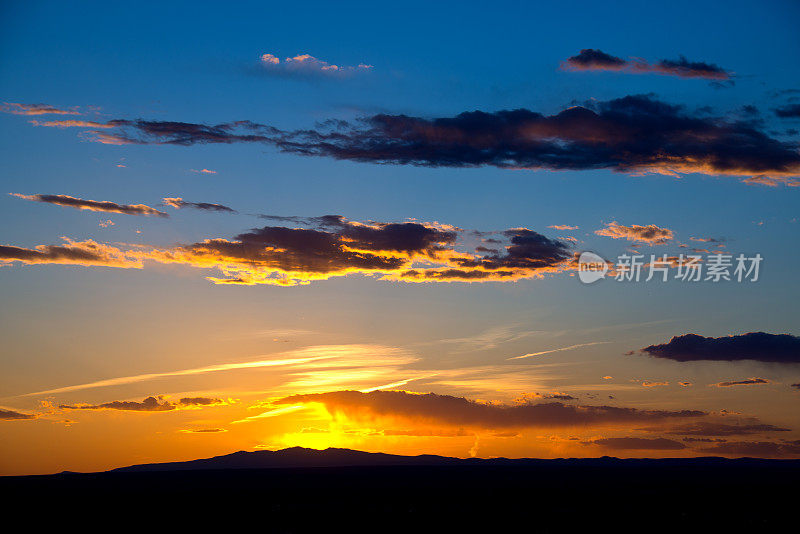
x: 178, y: 203
x: 336, y: 246
x: 747, y: 382
x: 791, y: 111
x: 634, y: 134
x: 429, y: 433
x: 462, y: 412
x: 330, y: 246
x: 199, y: 401
x: 11, y: 415
x: 150, y: 404
x: 93, y: 205
x: 758, y: 346
x: 691, y: 69
x: 707, y: 428
x: 592, y: 59
x: 769, y: 449
x: 650, y: 444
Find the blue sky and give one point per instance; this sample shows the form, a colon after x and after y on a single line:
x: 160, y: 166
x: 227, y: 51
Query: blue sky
x: 199, y: 63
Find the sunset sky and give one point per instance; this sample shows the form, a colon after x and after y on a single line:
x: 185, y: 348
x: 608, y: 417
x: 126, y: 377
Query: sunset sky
x: 256, y: 226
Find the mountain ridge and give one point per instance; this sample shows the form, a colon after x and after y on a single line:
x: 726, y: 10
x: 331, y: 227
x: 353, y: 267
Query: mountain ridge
x: 301, y: 457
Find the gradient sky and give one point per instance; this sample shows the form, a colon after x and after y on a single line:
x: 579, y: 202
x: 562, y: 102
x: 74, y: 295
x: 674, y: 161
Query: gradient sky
x: 158, y: 327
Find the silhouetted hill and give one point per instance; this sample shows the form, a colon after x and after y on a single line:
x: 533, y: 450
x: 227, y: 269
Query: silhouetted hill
x: 295, y: 457
x: 341, y: 490
x: 300, y: 457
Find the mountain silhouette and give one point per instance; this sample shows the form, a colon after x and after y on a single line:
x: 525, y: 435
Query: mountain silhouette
x: 343, y: 490
x: 301, y: 457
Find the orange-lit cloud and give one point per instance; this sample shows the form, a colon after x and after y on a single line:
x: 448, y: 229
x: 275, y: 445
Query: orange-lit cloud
x: 335, y: 246
x: 650, y: 234
x: 649, y: 384
x: 93, y: 205
x: 432, y: 408
x: 87, y: 253
x: 71, y: 124
x: 747, y: 382
x: 34, y: 109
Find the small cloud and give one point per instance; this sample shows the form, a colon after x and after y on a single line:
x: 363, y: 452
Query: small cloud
x: 748, y: 382
x: 93, y: 205
x: 106, y: 224
x: 178, y: 203
x: 563, y: 227
x: 306, y: 64
x: 13, y: 415
x: 791, y: 111
x: 650, y: 234
x: 203, y: 171
x: 34, y: 109
x: 202, y: 430
x: 150, y: 404
x: 71, y: 124
x: 592, y: 59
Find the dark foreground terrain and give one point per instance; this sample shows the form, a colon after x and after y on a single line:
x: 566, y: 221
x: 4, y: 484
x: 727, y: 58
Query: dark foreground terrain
x: 299, y: 490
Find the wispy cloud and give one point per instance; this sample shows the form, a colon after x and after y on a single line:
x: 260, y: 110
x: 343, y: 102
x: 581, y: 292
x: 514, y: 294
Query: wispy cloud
x: 178, y: 203
x: 550, y: 351
x: 93, y: 205
x: 305, y: 360
x: 35, y: 109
